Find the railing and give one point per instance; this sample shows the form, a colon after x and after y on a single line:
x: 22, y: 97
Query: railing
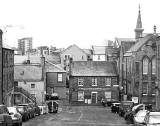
x: 26, y: 93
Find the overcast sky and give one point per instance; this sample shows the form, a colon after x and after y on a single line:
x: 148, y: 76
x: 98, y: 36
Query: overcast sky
x: 61, y: 23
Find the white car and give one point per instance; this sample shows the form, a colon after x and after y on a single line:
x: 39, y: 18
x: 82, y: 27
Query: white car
x: 139, y: 117
x: 152, y: 119
x: 16, y: 116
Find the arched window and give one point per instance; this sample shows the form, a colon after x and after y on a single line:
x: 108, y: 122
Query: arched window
x: 145, y: 65
x: 154, y: 65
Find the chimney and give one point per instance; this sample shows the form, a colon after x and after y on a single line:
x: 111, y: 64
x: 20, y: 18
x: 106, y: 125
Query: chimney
x: 43, y: 66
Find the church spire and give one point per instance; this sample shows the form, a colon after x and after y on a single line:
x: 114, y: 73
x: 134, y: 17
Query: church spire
x: 139, y: 29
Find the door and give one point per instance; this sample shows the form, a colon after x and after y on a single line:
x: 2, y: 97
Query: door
x: 94, y: 97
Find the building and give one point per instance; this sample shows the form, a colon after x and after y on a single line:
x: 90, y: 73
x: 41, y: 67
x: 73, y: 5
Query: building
x: 6, y: 71
x: 43, y: 50
x: 55, y: 80
x: 29, y: 78
x: 74, y: 52
x: 90, y: 81
x: 99, y: 53
x: 25, y: 45
x: 140, y: 69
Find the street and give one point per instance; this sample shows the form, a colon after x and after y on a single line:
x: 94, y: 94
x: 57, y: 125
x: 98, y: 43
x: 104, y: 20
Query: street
x: 78, y: 116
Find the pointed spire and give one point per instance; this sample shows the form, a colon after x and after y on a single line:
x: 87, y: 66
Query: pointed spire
x: 139, y: 29
x: 139, y: 22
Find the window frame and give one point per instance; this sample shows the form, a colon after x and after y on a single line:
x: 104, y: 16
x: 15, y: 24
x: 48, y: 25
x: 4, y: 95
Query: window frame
x: 153, y: 68
x: 80, y: 80
x: 145, y: 63
x: 33, y: 85
x: 94, y: 81
x: 80, y: 97
x: 110, y: 81
x: 59, y: 81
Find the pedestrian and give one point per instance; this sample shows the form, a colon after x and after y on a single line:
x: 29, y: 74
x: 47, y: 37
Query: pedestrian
x: 103, y: 102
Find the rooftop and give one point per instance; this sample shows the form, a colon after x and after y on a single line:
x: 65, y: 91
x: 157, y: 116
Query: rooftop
x: 93, y: 68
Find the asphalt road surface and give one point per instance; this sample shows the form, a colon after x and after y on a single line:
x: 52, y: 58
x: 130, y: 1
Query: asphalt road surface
x: 79, y: 116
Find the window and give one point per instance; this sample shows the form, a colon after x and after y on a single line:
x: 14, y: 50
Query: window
x: 94, y: 81
x: 80, y: 96
x: 82, y: 58
x: 145, y: 65
x: 108, y: 81
x: 80, y: 82
x: 32, y: 85
x: 137, y: 67
x: 59, y: 77
x: 154, y: 65
x: 108, y: 95
x: 99, y: 57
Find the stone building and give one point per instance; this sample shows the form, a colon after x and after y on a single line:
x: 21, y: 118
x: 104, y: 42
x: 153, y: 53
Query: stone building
x: 90, y: 81
x: 6, y: 71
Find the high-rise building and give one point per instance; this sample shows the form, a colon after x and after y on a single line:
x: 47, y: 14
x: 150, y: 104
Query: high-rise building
x: 25, y: 44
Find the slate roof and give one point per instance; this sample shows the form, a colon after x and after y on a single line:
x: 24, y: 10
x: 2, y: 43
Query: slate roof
x: 93, y: 68
x: 36, y: 59
x: 97, y: 50
x: 71, y: 47
x: 120, y: 40
x: 28, y: 72
x: 50, y: 67
x: 138, y: 45
x: 88, y: 51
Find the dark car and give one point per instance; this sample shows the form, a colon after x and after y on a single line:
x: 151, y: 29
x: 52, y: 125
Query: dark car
x: 115, y: 107
x: 24, y: 112
x: 5, y: 118
x: 30, y: 110
x: 109, y: 103
x: 52, y: 106
x: 124, y: 107
x: 37, y: 109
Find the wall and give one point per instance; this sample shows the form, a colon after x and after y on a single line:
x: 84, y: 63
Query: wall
x: 38, y: 90
x: 101, y: 88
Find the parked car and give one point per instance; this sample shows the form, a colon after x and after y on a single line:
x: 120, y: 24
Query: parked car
x: 151, y: 119
x: 16, y: 116
x: 52, y: 106
x: 125, y: 106
x: 37, y: 110
x: 24, y: 112
x: 115, y: 107
x: 5, y: 118
x: 139, y: 117
x: 109, y: 103
x: 129, y: 115
x: 30, y: 110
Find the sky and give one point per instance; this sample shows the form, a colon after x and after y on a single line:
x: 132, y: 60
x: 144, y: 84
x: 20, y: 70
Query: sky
x: 61, y: 23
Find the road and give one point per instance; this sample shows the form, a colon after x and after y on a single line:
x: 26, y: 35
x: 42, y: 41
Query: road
x: 79, y: 116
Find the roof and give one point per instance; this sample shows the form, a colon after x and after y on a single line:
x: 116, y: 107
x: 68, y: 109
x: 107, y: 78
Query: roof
x: 28, y: 72
x: 138, y: 45
x: 50, y: 67
x: 88, y: 51
x: 71, y: 47
x: 99, y: 50
x: 36, y: 59
x: 120, y: 40
x: 93, y: 68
